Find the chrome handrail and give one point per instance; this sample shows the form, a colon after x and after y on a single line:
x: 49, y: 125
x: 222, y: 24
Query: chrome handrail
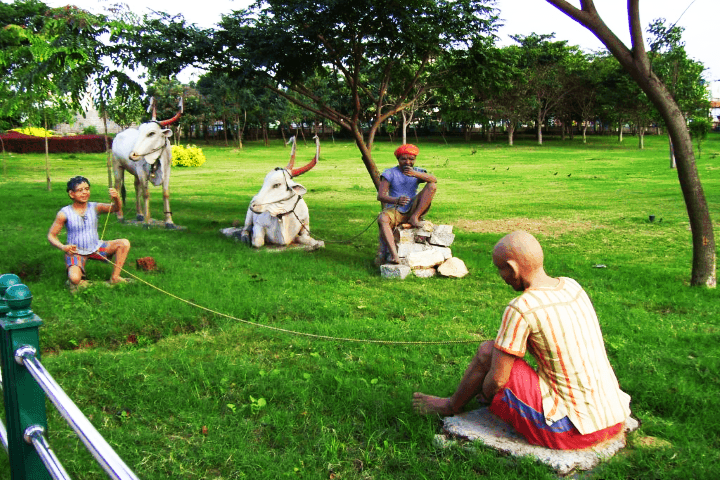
x: 95, y: 443
x: 3, y: 430
x: 35, y: 434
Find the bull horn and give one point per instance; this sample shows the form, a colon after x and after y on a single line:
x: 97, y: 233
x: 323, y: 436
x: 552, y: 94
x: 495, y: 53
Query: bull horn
x: 292, y: 153
x: 165, y: 123
x: 299, y: 171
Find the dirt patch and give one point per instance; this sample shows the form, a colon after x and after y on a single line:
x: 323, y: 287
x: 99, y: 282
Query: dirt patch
x: 651, y: 442
x: 541, y: 226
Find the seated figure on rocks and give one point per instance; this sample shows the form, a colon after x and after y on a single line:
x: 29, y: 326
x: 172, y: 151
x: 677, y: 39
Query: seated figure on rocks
x: 401, y: 202
x: 573, y: 400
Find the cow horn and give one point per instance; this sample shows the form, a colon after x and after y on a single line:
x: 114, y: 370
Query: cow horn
x: 170, y: 121
x: 165, y: 123
x: 292, y: 153
x: 299, y: 171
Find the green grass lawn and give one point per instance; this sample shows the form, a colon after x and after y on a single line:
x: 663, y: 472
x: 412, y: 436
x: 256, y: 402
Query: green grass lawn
x: 183, y: 392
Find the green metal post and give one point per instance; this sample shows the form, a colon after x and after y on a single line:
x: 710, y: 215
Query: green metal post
x: 24, y: 399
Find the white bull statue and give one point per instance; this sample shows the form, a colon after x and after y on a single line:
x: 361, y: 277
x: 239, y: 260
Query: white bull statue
x: 146, y: 153
x: 278, y: 214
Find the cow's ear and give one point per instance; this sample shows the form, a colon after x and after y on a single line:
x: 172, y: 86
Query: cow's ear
x: 299, y: 189
x: 167, y: 132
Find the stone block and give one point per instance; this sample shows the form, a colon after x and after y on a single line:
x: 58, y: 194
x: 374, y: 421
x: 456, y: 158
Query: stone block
x: 446, y: 252
x: 424, y: 272
x: 405, y: 249
x: 442, y: 239
x: 394, y: 271
x: 453, y: 267
x: 426, y: 258
x: 403, y: 236
x: 494, y: 433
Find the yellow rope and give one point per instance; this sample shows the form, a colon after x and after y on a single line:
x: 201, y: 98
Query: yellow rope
x: 293, y: 332
x: 284, y: 330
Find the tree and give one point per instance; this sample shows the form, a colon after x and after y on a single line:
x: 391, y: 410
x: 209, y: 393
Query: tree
x: 636, y: 62
x: 544, y: 63
x: 381, y: 52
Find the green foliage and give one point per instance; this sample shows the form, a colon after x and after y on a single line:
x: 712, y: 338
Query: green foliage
x: 90, y: 130
x: 184, y: 392
x: 187, y: 156
x: 700, y: 127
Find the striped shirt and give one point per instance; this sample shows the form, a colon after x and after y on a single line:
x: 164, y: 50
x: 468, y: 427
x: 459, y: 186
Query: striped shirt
x: 82, y: 230
x: 560, y: 329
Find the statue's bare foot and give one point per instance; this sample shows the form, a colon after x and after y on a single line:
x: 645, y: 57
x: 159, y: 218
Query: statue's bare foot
x: 118, y: 280
x: 426, y: 404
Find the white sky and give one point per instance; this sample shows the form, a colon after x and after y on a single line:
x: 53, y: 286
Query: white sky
x: 699, y: 18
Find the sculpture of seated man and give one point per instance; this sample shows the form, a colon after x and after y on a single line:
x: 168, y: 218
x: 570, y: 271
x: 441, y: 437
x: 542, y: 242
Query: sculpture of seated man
x: 401, y: 202
x: 573, y: 400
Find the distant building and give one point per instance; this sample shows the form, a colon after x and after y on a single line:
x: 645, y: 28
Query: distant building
x: 91, y: 118
x: 715, y: 104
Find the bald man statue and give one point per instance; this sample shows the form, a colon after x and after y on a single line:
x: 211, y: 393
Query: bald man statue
x: 573, y: 400
x: 401, y: 204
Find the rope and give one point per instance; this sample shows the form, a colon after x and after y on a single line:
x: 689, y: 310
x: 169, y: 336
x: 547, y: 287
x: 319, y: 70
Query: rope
x: 293, y: 332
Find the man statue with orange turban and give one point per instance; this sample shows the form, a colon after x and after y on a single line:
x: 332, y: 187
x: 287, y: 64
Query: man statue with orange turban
x: 401, y: 202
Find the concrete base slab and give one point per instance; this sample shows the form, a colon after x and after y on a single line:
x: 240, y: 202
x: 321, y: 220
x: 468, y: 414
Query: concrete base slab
x: 494, y: 433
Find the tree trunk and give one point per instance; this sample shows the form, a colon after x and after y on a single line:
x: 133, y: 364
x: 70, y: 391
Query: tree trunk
x: 367, y: 157
x: 511, y: 133
x: 673, y: 164
x: 225, y: 129
x: 404, y: 127
x: 585, y: 133
x: 47, y: 157
x: 539, y: 129
x: 637, y: 64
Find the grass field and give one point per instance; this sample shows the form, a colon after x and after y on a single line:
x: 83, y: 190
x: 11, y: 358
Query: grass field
x: 183, y: 392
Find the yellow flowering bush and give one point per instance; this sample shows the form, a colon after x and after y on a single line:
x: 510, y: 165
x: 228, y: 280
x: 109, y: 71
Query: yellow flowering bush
x: 187, y: 156
x: 34, y: 131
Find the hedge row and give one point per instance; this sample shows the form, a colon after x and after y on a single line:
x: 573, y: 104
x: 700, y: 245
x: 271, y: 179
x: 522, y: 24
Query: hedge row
x: 21, y: 143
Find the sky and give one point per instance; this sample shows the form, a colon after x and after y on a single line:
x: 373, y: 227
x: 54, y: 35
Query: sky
x: 698, y: 17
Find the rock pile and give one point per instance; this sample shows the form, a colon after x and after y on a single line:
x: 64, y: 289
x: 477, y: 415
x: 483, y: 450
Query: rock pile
x: 425, y: 252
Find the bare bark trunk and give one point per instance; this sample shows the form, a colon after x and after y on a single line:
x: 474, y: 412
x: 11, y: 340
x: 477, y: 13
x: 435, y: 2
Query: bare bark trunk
x: 673, y: 164
x: 637, y: 64
x: 225, y: 131
x: 511, y: 133
x: 367, y: 157
x: 47, y: 157
x: 539, y: 129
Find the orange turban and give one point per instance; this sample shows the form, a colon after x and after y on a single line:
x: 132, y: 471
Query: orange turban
x: 408, y: 149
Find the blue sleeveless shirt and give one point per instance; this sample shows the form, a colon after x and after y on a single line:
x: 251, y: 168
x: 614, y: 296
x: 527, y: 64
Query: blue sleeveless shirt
x: 82, y: 230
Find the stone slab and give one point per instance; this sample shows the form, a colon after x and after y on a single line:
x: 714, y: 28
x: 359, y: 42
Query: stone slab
x: 405, y: 249
x: 483, y: 426
x: 442, y: 239
x: 394, y: 271
x: 453, y: 267
x: 424, y: 272
x: 427, y: 258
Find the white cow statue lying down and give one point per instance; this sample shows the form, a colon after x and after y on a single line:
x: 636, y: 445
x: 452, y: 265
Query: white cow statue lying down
x: 278, y: 214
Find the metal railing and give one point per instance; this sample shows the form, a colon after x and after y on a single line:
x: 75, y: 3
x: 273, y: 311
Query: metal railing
x: 26, y: 385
